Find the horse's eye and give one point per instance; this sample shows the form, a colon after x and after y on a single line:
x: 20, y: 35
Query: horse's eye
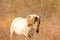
x: 36, y: 19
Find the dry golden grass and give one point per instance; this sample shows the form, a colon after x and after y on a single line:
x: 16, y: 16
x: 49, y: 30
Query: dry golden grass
x: 49, y: 10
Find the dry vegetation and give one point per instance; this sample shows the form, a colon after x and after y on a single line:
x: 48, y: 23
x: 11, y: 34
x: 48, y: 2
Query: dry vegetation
x: 49, y: 10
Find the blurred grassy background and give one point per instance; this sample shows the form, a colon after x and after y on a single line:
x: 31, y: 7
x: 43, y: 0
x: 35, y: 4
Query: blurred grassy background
x: 49, y: 10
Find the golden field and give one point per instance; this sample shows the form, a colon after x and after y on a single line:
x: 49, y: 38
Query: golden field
x: 49, y: 11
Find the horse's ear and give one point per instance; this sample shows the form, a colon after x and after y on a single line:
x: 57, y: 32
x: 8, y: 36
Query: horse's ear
x: 38, y: 26
x: 29, y: 21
